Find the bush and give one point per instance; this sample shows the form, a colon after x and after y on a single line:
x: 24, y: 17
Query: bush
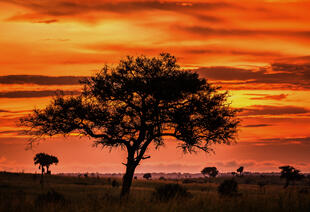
x: 170, y: 191
x: 50, y: 197
x: 228, y: 188
x: 115, y: 184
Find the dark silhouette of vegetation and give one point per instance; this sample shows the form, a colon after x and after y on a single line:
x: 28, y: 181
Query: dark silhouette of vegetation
x: 50, y: 197
x: 210, y: 171
x: 290, y: 174
x: 18, y: 192
x: 170, y: 191
x: 140, y: 101
x: 44, y: 160
x: 147, y: 176
x: 115, y: 184
x: 240, y: 170
x: 228, y: 188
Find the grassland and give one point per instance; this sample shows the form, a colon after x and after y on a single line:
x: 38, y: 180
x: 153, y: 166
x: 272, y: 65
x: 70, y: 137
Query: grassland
x: 23, y: 192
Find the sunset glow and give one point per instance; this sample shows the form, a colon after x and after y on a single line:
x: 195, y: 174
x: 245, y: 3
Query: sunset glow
x: 257, y: 50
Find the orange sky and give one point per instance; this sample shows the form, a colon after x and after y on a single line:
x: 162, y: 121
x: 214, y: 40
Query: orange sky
x: 259, y: 50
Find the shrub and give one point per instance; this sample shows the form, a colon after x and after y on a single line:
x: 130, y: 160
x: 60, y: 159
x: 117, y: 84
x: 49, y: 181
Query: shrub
x: 170, y: 191
x: 115, y: 184
x: 50, y: 197
x: 228, y: 188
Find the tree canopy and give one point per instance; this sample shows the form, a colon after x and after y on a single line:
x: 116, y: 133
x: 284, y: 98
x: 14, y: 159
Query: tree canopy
x: 45, y: 160
x: 240, y: 170
x: 210, y: 171
x: 290, y: 174
x: 139, y: 102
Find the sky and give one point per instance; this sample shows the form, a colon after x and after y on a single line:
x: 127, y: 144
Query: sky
x: 258, y: 50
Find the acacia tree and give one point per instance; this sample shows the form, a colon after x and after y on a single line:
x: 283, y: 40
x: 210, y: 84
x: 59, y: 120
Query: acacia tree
x: 210, y: 171
x: 139, y: 102
x: 290, y: 174
x: 44, y: 160
x: 147, y: 176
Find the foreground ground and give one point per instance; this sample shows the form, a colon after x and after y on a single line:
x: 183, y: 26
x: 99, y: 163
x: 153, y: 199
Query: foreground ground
x: 22, y: 192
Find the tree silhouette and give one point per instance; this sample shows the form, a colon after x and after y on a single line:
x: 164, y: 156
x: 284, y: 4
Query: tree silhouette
x: 290, y: 174
x: 210, y: 171
x: 240, y: 170
x: 147, y: 176
x: 44, y: 160
x: 140, y: 101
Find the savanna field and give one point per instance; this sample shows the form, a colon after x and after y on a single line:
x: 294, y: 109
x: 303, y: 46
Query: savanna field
x: 23, y: 192
x: 157, y: 87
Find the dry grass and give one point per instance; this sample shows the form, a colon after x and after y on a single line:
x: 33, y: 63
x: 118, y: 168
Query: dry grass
x: 22, y: 192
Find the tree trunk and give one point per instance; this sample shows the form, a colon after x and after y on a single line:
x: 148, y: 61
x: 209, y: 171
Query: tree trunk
x: 287, y: 182
x: 127, y: 179
x: 42, y: 177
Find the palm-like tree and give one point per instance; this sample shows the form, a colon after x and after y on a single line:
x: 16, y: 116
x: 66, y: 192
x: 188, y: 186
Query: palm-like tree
x: 44, y: 160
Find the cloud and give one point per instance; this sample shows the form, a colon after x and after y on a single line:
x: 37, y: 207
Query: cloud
x: 177, y: 49
x: 287, y: 140
x: 40, y: 80
x: 14, y: 112
x: 219, y: 50
x: 292, y: 68
x: 4, y: 111
x: 283, y: 75
x: 267, y: 96
x: 273, y: 110
x: 10, y: 132
x: 36, y: 94
x: 236, y: 164
x: 280, y: 141
x: 206, y: 31
x: 47, y: 21
x: 230, y: 73
x: 257, y: 125
x: 74, y: 8
x: 32, y: 18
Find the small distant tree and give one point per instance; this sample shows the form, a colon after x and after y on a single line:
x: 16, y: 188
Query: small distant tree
x: 147, y: 176
x: 240, y: 170
x: 210, y: 171
x: 290, y: 174
x: 44, y: 160
x: 137, y: 103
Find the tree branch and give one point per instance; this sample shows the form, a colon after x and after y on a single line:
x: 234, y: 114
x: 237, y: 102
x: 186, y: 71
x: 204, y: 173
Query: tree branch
x: 105, y: 136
